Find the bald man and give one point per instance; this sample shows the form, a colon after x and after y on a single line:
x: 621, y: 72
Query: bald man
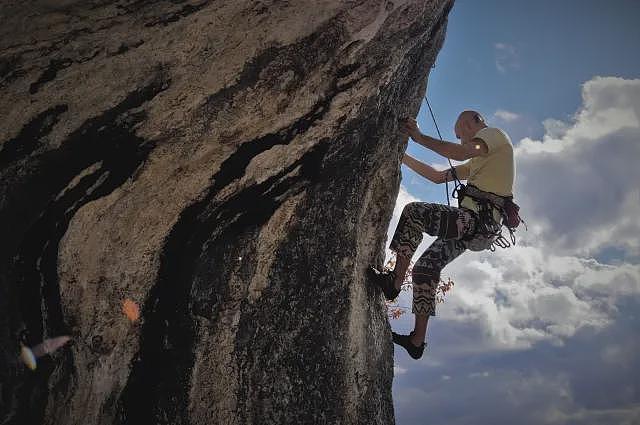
x: 489, y: 168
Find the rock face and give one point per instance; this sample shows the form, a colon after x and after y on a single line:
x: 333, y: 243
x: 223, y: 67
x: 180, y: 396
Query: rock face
x: 231, y: 167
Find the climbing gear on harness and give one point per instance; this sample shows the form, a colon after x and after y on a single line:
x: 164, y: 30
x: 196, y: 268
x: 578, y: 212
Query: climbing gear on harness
x: 512, y: 216
x: 487, y: 225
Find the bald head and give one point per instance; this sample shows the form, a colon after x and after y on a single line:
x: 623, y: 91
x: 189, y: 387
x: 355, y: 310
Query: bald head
x: 468, y: 124
x: 471, y: 116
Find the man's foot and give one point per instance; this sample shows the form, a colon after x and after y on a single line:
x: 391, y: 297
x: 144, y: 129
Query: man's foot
x: 386, y: 281
x: 405, y: 341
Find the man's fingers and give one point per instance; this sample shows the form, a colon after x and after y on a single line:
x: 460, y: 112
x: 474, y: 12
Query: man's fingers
x: 407, y: 125
x: 407, y: 121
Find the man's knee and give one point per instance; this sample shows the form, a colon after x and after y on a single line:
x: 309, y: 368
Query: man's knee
x: 410, y: 208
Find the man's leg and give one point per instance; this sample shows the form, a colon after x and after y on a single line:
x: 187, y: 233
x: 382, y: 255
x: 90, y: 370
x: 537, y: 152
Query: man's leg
x: 418, y: 217
x: 402, y: 264
x: 425, y: 277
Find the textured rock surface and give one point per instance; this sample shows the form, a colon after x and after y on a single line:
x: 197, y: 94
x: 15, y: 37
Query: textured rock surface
x: 230, y: 166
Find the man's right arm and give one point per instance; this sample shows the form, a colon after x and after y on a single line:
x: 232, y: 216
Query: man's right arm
x: 428, y: 172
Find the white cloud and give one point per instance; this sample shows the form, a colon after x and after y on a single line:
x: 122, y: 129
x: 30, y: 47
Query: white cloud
x: 506, y: 57
x: 506, y: 116
x: 524, y: 295
x: 554, y: 129
x: 578, y: 186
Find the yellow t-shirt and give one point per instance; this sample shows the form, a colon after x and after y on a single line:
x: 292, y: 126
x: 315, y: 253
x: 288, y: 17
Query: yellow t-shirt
x: 494, y: 172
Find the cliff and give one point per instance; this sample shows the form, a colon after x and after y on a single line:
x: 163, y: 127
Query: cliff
x: 230, y: 168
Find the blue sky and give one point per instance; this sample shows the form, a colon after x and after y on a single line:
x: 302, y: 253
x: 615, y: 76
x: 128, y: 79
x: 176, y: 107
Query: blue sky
x: 546, y: 332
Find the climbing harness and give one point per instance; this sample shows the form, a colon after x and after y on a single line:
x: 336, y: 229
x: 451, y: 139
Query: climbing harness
x: 487, y: 225
x: 486, y: 201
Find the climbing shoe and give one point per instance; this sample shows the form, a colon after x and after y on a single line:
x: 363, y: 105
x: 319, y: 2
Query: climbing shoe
x: 385, y: 280
x: 405, y: 341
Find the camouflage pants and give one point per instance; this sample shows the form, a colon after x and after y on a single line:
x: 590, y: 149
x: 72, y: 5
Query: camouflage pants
x: 450, y: 225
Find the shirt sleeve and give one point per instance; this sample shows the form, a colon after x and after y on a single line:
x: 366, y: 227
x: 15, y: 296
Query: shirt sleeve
x: 492, y: 137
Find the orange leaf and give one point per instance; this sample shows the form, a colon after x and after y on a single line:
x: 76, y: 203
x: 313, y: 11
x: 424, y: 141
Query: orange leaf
x: 131, y: 310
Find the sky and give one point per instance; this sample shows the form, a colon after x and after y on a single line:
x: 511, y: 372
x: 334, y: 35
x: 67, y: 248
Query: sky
x: 546, y: 332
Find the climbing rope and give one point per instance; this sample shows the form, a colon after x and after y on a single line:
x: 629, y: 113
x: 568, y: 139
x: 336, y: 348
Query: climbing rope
x: 453, y: 170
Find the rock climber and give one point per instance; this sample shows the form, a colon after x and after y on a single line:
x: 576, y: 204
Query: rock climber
x: 490, y: 172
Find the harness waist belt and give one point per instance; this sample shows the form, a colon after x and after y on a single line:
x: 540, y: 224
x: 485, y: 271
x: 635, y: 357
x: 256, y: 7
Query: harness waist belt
x: 475, y: 193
